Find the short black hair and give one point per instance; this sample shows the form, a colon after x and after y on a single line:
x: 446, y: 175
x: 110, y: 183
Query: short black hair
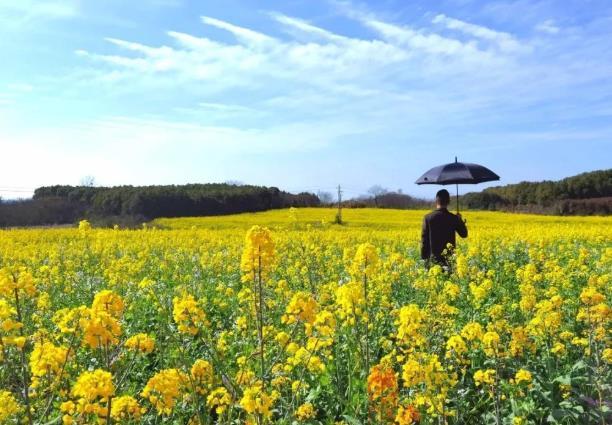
x: 443, y: 197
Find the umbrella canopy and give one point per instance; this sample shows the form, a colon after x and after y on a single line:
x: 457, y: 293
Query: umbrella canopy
x: 457, y: 173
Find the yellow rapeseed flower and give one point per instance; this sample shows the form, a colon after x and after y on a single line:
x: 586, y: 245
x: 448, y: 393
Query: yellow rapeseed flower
x: 188, y: 315
x: 126, y: 408
x: 9, y: 407
x: 141, y: 342
x: 256, y: 401
x: 164, y: 389
x: 304, y: 412
x: 482, y: 377
x: 522, y: 376
x: 219, y: 399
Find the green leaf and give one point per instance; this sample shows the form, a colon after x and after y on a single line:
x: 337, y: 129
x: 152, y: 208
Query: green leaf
x: 351, y: 420
x: 560, y: 414
x: 563, y: 379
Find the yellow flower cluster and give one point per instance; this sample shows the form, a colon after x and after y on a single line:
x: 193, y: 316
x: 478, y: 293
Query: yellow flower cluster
x: 9, y: 327
x: 141, y: 342
x: 304, y: 412
x: 350, y: 300
x: 410, y: 326
x: 16, y: 282
x: 126, y: 408
x: 100, y: 329
x: 522, y: 376
x: 46, y: 362
x: 455, y: 347
x: 302, y: 307
x: 219, y: 400
x: 92, y: 393
x: 258, y: 254
x: 365, y: 261
x: 407, y: 415
x: 164, y: 389
x: 202, y: 376
x: 9, y: 407
x: 305, y: 357
x: 484, y: 377
x: 188, y: 315
x: 256, y: 401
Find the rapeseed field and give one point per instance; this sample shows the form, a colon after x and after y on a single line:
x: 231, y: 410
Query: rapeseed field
x: 283, y: 317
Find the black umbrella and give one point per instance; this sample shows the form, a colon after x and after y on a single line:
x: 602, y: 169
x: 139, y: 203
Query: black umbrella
x: 457, y: 173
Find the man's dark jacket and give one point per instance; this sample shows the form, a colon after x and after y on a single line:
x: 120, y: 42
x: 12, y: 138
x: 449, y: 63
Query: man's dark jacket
x: 439, y: 229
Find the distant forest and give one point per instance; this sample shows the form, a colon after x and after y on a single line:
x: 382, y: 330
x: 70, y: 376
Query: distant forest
x: 584, y: 194
x: 131, y: 205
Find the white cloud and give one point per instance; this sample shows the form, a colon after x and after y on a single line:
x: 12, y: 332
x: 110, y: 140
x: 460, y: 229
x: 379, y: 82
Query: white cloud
x: 548, y: 26
x: 401, y: 76
x: 305, y: 27
x: 502, y: 40
x: 430, y: 43
x: 256, y: 59
x: 243, y: 34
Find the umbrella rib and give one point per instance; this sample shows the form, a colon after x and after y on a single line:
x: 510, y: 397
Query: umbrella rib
x: 468, y: 170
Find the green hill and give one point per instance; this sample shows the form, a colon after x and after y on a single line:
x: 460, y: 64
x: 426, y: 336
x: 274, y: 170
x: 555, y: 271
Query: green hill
x: 583, y: 194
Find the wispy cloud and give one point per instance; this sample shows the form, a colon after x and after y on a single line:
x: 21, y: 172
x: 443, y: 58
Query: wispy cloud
x: 501, y: 40
x: 402, y: 74
x: 548, y: 26
x: 303, y: 26
x: 243, y: 34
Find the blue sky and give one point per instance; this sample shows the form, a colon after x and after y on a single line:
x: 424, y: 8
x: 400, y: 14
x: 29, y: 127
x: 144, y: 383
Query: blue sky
x: 301, y: 94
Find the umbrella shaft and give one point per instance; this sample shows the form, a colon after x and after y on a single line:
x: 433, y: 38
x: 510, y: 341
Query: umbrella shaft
x: 457, y: 187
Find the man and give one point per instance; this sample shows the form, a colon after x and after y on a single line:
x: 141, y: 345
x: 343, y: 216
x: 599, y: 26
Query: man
x: 439, y: 229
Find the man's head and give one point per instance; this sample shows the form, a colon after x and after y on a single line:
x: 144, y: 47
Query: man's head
x: 442, y: 198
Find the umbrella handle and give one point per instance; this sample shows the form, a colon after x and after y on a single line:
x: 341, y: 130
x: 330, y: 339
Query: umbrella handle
x: 457, y: 186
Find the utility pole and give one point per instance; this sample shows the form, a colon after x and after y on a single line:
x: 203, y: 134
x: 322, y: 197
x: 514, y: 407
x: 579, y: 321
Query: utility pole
x: 339, y: 213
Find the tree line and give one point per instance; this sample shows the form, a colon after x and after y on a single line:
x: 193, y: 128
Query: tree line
x: 380, y: 197
x: 583, y: 194
x: 135, y: 204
